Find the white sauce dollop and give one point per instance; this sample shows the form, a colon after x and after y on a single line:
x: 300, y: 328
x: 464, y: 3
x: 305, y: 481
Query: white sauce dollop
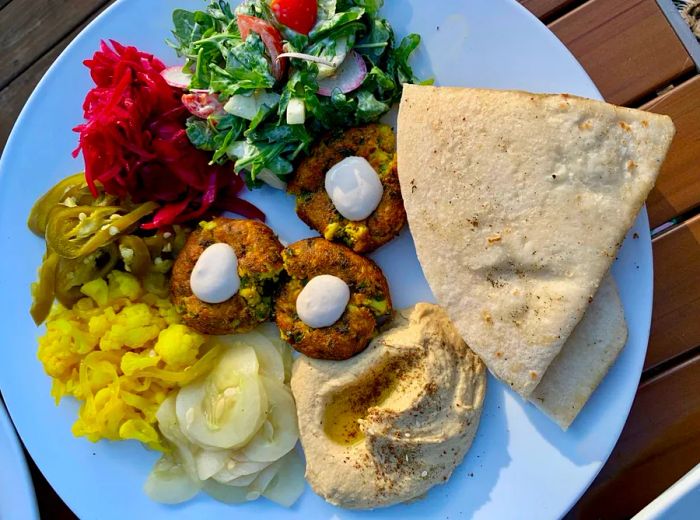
x: 322, y: 301
x: 354, y: 187
x: 214, y: 278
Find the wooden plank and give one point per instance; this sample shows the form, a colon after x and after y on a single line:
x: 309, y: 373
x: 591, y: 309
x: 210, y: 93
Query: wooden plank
x: 545, y: 8
x: 14, y: 96
x: 659, y: 444
x: 43, y: 24
x: 675, y: 325
x: 626, y: 46
x: 678, y: 187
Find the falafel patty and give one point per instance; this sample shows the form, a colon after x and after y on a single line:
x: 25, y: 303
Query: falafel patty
x: 368, y: 308
x: 377, y: 144
x: 259, y: 268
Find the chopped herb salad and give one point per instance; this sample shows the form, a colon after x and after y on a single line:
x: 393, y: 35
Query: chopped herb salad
x: 265, y: 79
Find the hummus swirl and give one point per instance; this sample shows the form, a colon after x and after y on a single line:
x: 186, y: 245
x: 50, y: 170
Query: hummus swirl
x: 387, y: 425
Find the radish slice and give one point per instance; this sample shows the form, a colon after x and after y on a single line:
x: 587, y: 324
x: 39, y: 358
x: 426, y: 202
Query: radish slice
x: 349, y: 76
x: 175, y: 77
x: 202, y: 104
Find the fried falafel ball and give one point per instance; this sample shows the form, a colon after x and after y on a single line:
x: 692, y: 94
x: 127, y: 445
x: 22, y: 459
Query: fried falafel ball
x: 260, y: 265
x: 369, y: 306
x: 377, y: 144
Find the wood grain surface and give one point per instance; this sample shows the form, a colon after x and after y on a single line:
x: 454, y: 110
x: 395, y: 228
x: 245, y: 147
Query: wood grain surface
x: 678, y: 187
x: 30, y: 28
x: 659, y: 444
x: 675, y: 326
x: 544, y: 9
x: 15, y: 95
x: 626, y: 46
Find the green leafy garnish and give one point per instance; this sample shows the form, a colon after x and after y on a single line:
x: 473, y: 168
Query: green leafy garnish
x: 258, y: 138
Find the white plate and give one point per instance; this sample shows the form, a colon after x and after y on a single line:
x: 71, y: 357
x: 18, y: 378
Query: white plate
x: 17, y: 498
x: 521, y: 465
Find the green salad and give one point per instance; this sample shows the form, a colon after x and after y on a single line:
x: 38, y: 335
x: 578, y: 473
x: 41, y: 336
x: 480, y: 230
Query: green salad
x: 265, y: 79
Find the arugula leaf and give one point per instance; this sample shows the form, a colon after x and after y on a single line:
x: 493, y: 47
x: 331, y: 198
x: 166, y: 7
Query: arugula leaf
x: 379, y: 81
x: 245, y: 69
x: 336, y: 22
x: 370, y: 6
x: 377, y: 41
x: 369, y: 108
x: 201, y: 135
x: 215, y: 134
x: 397, y: 65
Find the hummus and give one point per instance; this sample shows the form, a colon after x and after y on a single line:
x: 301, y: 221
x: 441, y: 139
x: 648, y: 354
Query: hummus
x: 390, y: 423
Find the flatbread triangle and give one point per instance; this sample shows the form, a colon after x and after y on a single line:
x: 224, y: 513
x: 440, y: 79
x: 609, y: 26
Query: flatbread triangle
x: 517, y: 204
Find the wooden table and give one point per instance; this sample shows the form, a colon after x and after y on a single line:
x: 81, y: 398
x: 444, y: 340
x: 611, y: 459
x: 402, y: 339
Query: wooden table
x: 634, y: 56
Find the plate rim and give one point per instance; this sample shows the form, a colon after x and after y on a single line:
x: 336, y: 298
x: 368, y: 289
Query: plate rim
x: 642, y: 218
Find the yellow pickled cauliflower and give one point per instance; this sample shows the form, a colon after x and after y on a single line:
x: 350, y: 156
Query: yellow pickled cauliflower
x: 178, y: 345
x: 121, y: 350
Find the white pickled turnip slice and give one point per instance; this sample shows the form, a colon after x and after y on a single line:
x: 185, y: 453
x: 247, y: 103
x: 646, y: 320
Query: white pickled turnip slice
x: 224, y: 493
x: 279, y: 433
x: 210, y: 462
x: 169, y: 427
x: 222, y: 415
x: 235, y: 469
x: 288, y: 484
x: 169, y: 483
x: 272, y: 332
x: 176, y: 77
x: 238, y: 494
x: 260, y: 484
x: 349, y: 76
x: 244, y: 480
x: 268, y: 359
x: 202, y: 104
x: 268, y: 356
x: 271, y: 363
x: 238, y: 358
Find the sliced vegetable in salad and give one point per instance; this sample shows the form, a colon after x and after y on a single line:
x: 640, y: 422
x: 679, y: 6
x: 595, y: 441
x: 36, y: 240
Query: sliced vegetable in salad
x: 264, y: 80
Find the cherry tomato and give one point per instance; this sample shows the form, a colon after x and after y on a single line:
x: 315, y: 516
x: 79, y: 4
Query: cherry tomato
x: 298, y: 15
x: 271, y: 37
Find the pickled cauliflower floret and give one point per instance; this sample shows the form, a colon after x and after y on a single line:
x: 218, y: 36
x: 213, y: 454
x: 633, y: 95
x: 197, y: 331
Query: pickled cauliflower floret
x: 178, y: 345
x: 123, y: 285
x: 98, y: 290
x: 133, y: 327
x: 121, y: 350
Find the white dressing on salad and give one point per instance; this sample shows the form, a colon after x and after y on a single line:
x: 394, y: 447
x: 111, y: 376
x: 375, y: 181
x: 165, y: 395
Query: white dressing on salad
x: 354, y: 188
x: 322, y: 301
x: 214, y: 278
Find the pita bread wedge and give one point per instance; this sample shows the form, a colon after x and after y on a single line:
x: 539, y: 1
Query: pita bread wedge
x: 517, y: 204
x: 585, y: 358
